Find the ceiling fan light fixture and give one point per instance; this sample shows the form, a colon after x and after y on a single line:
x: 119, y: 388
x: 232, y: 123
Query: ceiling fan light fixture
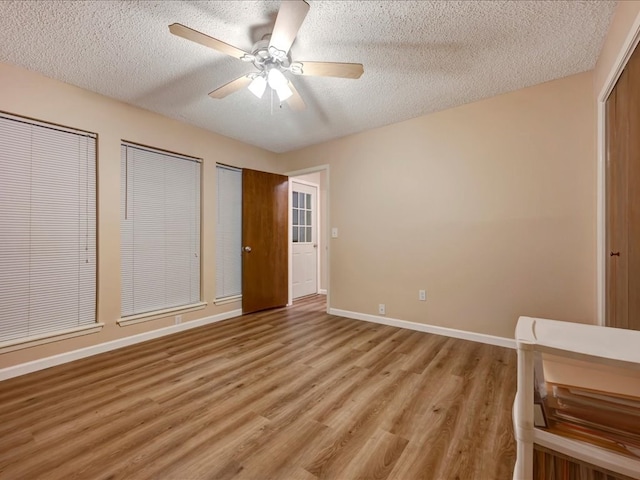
x: 276, y: 79
x: 258, y: 86
x: 284, y: 92
x: 278, y: 82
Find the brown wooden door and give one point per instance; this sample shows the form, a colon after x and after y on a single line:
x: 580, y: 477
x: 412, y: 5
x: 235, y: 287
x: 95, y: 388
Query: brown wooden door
x: 623, y: 199
x: 265, y: 256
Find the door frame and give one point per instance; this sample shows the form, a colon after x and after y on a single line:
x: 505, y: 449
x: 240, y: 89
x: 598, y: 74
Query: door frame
x: 324, y: 242
x: 628, y: 47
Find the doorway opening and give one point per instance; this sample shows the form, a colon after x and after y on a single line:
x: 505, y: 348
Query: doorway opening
x: 308, y: 233
x: 305, y: 238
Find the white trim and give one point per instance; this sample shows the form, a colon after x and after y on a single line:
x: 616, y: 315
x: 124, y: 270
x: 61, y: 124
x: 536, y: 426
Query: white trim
x: 305, y: 171
x: 41, y: 364
x: 289, y: 244
x: 582, y: 341
x: 601, y: 240
x: 225, y: 300
x: 422, y: 327
x: 304, y: 182
x: 167, y: 312
x: 322, y: 291
x: 629, y: 45
x: 523, y: 412
x: 319, y: 240
x: 28, y: 342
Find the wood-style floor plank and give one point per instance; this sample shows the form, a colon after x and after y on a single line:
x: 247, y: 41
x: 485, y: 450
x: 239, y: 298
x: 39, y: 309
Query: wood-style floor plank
x: 291, y: 393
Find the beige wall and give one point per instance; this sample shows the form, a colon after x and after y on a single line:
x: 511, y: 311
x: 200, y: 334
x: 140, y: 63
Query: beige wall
x: 623, y: 19
x: 32, y: 95
x: 319, y: 178
x: 490, y: 207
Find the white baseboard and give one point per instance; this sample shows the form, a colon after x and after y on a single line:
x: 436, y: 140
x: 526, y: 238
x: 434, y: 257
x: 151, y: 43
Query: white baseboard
x: 421, y: 327
x: 322, y: 291
x: 41, y: 364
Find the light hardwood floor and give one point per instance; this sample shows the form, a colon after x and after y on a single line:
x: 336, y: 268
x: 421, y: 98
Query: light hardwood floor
x: 284, y: 394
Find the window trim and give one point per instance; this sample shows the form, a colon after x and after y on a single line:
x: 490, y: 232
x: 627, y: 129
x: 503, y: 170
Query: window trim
x: 158, y: 314
x: 229, y: 299
x: 49, y: 337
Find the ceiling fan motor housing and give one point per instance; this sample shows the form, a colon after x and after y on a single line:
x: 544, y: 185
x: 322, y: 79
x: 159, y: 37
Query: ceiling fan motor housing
x: 264, y: 57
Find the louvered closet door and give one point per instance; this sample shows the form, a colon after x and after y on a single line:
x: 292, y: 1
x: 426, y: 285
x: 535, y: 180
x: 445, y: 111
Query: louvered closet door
x: 160, y: 230
x: 47, y: 230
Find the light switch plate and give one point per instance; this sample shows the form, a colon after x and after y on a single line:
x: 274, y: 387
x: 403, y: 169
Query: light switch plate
x: 334, y: 232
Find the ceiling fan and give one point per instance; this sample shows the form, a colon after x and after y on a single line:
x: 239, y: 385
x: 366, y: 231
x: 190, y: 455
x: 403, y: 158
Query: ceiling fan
x: 271, y: 58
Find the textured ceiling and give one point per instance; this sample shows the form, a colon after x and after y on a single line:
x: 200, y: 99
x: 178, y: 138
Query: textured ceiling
x: 418, y: 56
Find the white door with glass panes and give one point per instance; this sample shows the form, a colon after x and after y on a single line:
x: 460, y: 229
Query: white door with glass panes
x: 304, y: 234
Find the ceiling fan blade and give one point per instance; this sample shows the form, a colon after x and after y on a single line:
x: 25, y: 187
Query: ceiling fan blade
x: 229, y: 88
x: 331, y: 69
x: 199, y: 37
x: 295, y: 102
x: 288, y: 22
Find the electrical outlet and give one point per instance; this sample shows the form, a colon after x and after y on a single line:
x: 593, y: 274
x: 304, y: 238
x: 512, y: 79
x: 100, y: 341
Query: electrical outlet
x: 381, y: 309
x: 178, y: 319
x: 422, y: 295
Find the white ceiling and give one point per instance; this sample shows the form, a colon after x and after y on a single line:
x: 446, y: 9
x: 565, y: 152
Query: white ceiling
x: 418, y: 56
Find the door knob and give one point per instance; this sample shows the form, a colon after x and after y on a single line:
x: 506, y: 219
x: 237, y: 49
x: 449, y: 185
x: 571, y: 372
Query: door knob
x: 315, y: 245
x: 247, y: 249
x: 614, y: 254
